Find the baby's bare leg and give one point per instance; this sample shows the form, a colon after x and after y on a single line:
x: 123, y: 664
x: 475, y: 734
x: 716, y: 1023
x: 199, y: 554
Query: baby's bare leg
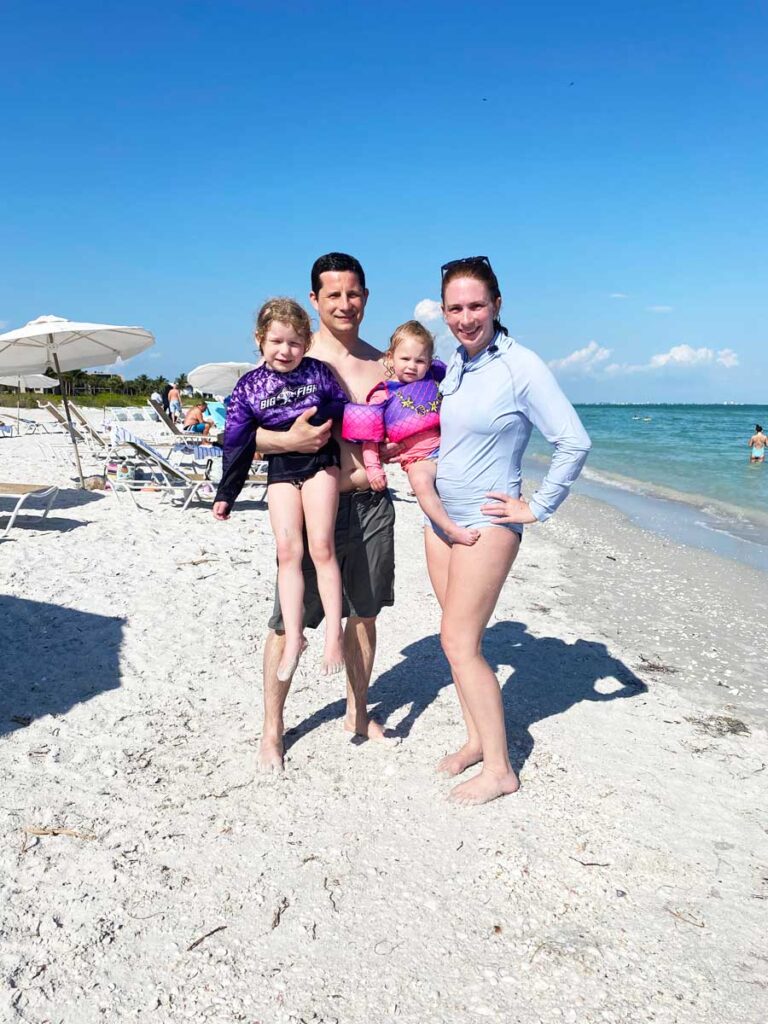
x: 422, y: 479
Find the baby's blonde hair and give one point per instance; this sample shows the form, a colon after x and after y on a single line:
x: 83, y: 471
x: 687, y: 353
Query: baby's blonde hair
x: 410, y: 329
x: 280, y: 310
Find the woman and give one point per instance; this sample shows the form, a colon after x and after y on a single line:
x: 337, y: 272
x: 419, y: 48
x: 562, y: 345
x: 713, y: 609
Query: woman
x: 494, y: 392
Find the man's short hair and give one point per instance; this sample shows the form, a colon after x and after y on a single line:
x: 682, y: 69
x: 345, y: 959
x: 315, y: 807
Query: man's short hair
x: 339, y: 262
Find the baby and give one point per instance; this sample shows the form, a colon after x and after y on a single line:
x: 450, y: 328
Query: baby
x: 405, y: 409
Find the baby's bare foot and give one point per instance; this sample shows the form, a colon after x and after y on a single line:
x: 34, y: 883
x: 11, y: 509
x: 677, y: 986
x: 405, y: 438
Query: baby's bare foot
x: 458, y: 762
x: 292, y: 651
x: 462, y: 535
x: 484, y: 787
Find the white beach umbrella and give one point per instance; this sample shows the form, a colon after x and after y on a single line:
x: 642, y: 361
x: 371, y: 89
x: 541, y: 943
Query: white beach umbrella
x: 218, y: 378
x: 68, y: 345
x: 30, y: 381
x: 24, y: 383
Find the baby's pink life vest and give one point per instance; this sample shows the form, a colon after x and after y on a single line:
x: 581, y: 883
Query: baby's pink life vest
x: 407, y: 410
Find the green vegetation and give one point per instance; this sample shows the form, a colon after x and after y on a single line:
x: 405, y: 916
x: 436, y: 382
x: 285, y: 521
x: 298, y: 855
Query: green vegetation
x: 95, y: 390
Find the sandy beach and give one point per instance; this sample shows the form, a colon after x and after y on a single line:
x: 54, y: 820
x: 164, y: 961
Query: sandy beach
x: 150, y: 873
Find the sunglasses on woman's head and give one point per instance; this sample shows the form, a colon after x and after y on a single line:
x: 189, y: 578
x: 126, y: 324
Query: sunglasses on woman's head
x: 467, y: 261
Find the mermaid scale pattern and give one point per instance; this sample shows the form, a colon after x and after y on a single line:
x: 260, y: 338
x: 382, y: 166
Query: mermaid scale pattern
x: 407, y: 410
x: 363, y: 423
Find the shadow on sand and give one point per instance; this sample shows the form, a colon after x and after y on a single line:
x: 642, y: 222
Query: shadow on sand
x: 548, y: 677
x: 53, y: 658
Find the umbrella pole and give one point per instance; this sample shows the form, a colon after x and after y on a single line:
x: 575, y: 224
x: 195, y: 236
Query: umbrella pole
x: 18, y: 407
x: 63, y: 390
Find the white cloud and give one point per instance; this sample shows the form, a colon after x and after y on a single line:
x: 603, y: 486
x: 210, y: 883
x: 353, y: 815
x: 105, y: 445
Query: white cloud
x: 428, y: 310
x: 583, y: 360
x: 727, y: 358
x: 679, y: 356
x: 619, y: 295
x: 659, y: 309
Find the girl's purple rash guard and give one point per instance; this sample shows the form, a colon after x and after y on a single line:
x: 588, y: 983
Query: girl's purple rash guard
x: 264, y: 398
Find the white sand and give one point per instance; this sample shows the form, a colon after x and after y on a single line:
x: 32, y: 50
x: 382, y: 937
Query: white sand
x: 625, y: 882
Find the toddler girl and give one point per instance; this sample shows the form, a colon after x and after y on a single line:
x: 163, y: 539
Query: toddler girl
x: 302, y: 490
x: 405, y: 409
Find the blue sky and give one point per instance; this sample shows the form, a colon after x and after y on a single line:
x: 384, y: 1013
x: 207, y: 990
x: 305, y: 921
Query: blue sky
x: 173, y: 164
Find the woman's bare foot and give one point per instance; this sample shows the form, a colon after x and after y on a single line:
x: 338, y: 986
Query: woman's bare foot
x: 462, y: 535
x: 292, y: 651
x: 460, y: 760
x: 270, y: 755
x: 333, y: 656
x: 484, y: 787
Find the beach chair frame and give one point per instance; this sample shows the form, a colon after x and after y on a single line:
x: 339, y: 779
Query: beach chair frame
x: 24, y: 492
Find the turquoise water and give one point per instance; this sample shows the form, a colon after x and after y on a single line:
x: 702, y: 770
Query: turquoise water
x: 690, y: 459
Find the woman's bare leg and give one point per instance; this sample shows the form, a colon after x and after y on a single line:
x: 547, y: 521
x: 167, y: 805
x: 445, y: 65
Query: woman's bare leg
x: 438, y: 563
x: 287, y: 519
x: 421, y: 476
x: 475, y: 578
x: 320, y: 497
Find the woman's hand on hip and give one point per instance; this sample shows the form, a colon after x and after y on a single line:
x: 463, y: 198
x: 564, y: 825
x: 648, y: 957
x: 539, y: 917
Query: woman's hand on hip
x: 506, y: 509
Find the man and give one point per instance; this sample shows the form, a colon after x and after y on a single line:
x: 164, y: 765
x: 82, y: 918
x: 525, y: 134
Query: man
x: 195, y: 421
x: 365, y: 521
x: 174, y: 402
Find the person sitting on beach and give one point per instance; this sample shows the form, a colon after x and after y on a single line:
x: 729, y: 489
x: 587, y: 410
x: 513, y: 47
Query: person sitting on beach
x: 195, y: 422
x: 174, y: 403
x: 757, y: 443
x: 302, y: 489
x: 494, y: 392
x: 407, y: 412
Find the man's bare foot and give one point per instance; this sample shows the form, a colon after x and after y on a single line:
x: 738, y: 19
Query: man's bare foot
x: 292, y: 651
x: 458, y: 762
x: 270, y: 755
x: 484, y: 787
x: 462, y: 535
x: 371, y: 730
x: 333, y: 655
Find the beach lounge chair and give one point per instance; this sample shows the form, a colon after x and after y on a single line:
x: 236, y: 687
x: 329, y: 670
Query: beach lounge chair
x: 23, y: 492
x: 171, y: 479
x: 24, y: 423
x: 87, y: 429
x: 49, y: 407
x: 6, y: 430
x: 166, y: 419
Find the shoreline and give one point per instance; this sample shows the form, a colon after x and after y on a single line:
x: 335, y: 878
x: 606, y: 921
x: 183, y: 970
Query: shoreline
x: 738, y: 534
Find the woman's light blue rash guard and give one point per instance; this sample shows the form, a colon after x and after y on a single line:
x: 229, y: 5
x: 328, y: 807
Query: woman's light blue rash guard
x: 490, y: 405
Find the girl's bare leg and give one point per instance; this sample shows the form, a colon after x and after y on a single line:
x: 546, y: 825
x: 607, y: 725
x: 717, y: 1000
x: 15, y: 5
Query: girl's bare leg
x: 287, y: 519
x: 475, y: 578
x: 421, y: 476
x: 320, y: 497
x: 438, y: 562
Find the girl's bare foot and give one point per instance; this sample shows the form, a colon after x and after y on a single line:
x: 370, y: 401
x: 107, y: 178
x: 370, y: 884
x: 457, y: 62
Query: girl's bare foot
x: 484, y: 787
x: 333, y: 656
x: 462, y: 535
x: 458, y: 762
x: 292, y: 651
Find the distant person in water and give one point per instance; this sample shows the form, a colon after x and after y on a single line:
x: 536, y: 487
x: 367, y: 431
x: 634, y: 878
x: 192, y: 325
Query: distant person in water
x: 757, y: 445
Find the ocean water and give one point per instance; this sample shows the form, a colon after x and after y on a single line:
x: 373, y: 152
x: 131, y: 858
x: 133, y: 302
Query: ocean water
x: 681, y: 470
